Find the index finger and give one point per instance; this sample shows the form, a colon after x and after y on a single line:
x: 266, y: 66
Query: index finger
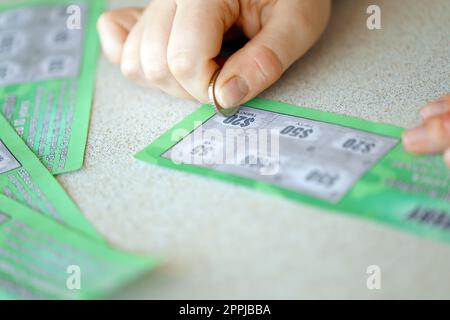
x: 196, y: 39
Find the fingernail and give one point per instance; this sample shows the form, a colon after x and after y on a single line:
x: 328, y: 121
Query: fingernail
x: 415, y: 137
x: 233, y: 92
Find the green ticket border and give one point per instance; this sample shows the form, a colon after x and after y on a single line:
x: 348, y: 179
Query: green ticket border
x: 86, y: 79
x: 361, y: 201
x: 138, y: 264
x: 153, y: 153
x: 70, y: 214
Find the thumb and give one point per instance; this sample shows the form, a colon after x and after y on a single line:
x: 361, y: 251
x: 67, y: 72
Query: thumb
x: 262, y: 61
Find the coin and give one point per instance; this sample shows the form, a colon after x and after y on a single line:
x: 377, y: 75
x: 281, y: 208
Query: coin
x: 212, y: 97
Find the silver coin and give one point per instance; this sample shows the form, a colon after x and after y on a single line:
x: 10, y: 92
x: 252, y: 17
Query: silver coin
x: 212, y: 97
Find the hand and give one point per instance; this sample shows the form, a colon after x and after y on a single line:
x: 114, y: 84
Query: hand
x: 172, y: 44
x: 433, y: 135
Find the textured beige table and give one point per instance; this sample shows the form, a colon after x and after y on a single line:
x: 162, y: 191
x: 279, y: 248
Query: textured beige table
x: 223, y: 241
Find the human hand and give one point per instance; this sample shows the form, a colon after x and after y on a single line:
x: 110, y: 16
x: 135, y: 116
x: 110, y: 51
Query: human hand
x: 433, y: 135
x: 172, y: 44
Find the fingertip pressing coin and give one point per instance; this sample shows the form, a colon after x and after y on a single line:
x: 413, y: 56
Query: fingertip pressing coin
x: 226, y: 112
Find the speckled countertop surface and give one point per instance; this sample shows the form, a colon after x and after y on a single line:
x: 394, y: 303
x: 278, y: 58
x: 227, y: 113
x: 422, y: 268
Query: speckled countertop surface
x: 223, y: 241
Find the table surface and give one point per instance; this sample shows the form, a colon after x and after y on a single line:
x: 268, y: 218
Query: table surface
x: 222, y: 241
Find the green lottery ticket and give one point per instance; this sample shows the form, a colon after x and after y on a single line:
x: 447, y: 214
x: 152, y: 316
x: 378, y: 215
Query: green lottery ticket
x: 41, y: 259
x: 48, y: 56
x: 25, y: 179
x: 328, y: 160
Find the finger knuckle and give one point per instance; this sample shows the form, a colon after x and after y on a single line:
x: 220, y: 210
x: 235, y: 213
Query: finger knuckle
x: 156, y: 72
x: 181, y: 64
x: 230, y: 8
x: 130, y: 69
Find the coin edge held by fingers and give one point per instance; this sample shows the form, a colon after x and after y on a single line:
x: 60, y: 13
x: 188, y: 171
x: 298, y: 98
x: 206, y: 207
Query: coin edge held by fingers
x: 226, y: 112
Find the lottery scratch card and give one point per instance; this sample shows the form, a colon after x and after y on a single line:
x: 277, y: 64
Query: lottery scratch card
x: 48, y: 55
x: 332, y: 161
x: 41, y: 259
x: 24, y: 179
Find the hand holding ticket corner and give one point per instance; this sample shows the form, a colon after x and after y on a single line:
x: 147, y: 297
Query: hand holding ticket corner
x: 434, y: 134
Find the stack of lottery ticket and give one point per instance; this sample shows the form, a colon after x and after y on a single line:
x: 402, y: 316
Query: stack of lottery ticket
x: 48, y: 249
